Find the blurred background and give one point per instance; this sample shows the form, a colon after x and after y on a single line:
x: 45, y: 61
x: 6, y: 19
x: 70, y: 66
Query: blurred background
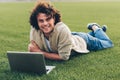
x: 55, y: 0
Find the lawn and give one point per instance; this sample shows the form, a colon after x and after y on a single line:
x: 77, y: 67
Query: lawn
x: 100, y: 65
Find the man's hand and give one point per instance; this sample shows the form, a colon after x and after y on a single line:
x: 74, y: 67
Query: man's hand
x: 33, y: 47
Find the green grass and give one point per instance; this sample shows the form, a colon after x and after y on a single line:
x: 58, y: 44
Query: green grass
x: 100, y: 65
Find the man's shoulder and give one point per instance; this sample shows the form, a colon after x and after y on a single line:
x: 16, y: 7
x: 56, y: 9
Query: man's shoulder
x: 61, y: 26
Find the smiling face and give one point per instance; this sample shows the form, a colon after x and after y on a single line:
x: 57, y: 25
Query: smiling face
x: 45, y: 23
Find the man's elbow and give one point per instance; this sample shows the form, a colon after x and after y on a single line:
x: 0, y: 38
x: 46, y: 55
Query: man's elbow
x: 65, y: 58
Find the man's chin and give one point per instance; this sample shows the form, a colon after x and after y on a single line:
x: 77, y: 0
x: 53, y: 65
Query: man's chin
x: 46, y: 32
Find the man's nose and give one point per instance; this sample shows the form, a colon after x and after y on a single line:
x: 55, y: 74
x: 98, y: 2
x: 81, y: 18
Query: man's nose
x: 45, y: 22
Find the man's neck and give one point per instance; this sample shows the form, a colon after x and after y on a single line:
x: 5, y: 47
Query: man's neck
x: 47, y: 36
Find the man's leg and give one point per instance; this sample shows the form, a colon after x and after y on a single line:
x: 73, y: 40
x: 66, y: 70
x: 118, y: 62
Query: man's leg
x: 102, y: 40
x: 97, y: 42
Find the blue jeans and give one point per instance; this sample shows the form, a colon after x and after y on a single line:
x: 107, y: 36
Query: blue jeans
x: 95, y: 40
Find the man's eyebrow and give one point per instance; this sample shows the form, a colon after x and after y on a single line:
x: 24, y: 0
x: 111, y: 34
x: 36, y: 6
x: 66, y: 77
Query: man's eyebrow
x: 49, y: 17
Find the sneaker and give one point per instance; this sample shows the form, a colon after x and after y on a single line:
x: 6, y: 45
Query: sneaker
x: 104, y: 28
x: 90, y: 25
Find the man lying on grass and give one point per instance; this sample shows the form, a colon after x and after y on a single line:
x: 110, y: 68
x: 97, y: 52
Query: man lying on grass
x: 50, y: 36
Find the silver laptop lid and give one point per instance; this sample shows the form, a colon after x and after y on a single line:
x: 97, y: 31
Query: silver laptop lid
x: 27, y: 62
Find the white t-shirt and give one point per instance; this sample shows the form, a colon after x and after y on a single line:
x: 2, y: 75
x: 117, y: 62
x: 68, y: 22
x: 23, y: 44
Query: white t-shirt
x: 48, y: 44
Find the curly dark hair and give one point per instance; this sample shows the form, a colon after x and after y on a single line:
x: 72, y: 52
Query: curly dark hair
x: 46, y: 8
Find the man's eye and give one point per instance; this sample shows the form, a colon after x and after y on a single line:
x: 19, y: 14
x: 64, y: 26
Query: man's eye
x: 48, y: 18
x: 40, y: 20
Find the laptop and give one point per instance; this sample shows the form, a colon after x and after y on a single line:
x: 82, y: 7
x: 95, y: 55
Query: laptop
x: 30, y: 62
